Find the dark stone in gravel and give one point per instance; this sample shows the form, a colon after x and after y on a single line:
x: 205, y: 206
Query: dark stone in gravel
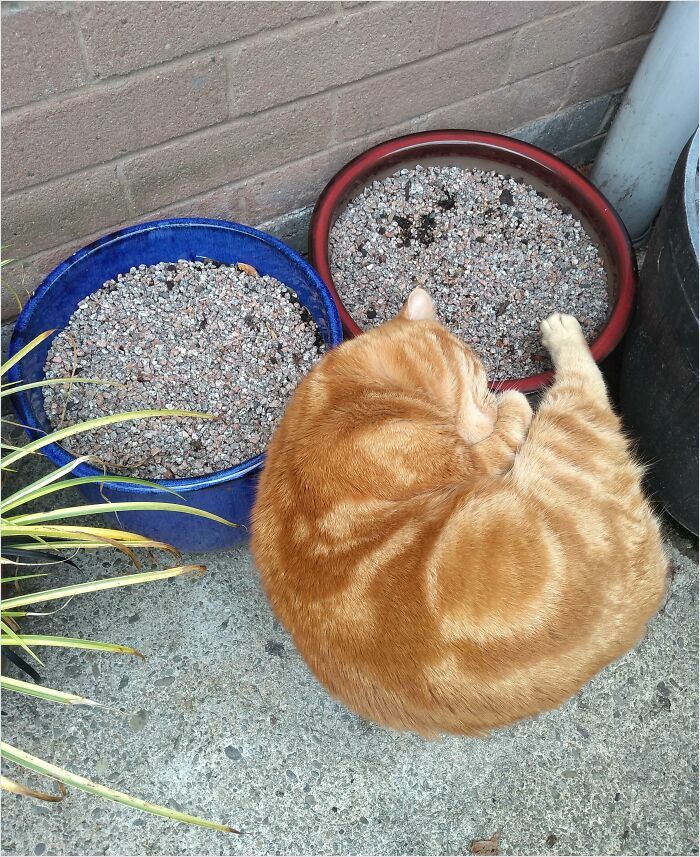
x: 495, y: 253
x: 506, y: 197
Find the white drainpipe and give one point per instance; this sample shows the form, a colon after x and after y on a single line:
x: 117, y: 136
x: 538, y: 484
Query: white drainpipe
x: 657, y: 117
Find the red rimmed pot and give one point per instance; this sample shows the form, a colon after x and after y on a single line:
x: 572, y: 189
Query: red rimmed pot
x: 482, y: 150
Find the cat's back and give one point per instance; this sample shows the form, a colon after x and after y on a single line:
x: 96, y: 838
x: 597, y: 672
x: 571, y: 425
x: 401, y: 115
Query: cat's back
x: 430, y: 603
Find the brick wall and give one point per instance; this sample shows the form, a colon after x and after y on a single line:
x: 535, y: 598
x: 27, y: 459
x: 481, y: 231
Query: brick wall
x: 114, y: 113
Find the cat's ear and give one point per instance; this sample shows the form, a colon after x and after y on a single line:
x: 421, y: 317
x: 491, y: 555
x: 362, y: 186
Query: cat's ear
x: 419, y: 306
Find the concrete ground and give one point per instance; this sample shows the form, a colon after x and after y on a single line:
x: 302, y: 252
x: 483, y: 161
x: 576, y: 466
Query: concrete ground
x: 223, y: 719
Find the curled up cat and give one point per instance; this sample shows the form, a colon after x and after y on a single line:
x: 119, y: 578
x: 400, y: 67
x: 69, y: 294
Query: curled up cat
x: 445, y: 560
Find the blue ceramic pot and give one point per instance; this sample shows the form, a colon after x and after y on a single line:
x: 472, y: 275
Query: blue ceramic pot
x: 229, y: 493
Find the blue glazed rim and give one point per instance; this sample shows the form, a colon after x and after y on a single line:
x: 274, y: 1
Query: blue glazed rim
x: 60, y: 456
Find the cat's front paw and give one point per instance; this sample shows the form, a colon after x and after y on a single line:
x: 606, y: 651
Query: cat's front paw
x: 561, y: 332
x: 514, y: 406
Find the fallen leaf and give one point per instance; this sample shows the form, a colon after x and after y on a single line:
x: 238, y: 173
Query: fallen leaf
x: 485, y: 846
x: 247, y: 269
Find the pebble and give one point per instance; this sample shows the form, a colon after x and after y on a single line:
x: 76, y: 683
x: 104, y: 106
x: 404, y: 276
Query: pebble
x: 495, y: 254
x: 192, y: 335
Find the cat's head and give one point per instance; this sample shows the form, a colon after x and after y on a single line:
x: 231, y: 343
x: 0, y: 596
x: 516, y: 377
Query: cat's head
x: 446, y: 366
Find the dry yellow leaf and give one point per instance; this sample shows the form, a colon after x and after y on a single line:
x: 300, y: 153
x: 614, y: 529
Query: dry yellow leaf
x: 247, y: 269
x: 485, y: 846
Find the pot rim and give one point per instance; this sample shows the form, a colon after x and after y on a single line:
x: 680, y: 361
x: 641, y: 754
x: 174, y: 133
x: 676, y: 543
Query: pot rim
x: 364, y: 165
x: 60, y: 456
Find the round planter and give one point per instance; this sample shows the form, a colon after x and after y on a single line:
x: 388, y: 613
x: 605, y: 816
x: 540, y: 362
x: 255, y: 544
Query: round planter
x: 659, y: 372
x: 229, y: 493
x: 489, y: 151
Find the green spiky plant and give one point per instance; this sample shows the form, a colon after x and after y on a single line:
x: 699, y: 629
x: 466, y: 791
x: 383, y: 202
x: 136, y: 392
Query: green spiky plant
x: 38, y: 539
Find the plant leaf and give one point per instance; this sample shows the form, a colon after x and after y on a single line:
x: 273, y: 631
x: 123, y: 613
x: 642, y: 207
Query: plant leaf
x: 4, y: 445
x: 48, y: 693
x: 98, y: 422
x: 21, y: 664
x: 39, y: 766
x: 61, y: 536
x: 70, y: 643
x: 50, y: 382
x: 93, y: 545
x: 19, y: 642
x: 44, y: 480
x: 98, y: 586
x: 8, y: 785
x: 10, y: 422
x: 59, y: 530
x: 88, y: 545
x: 60, y: 533
x: 41, y: 558
x: 103, y: 508
x: 8, y: 364
x: 27, y: 496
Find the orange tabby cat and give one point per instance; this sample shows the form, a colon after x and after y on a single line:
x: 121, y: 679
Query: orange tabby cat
x: 444, y: 560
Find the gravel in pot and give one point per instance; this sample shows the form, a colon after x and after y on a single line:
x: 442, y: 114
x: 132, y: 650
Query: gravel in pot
x: 192, y: 335
x: 496, y: 254
x: 523, y: 166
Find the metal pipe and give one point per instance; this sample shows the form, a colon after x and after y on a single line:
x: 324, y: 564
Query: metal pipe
x: 656, y: 119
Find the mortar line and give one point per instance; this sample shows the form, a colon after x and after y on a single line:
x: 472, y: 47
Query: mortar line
x: 438, y: 26
x: 82, y: 48
x: 192, y: 135
x: 240, y: 184
x: 184, y: 138
x: 612, y: 109
x: 126, y: 190
x: 116, y: 81
x: 577, y: 62
x: 335, y: 107
x: 300, y: 101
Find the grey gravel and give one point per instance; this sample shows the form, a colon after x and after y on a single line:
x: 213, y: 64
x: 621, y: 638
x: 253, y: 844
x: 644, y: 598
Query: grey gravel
x: 496, y: 255
x: 192, y: 335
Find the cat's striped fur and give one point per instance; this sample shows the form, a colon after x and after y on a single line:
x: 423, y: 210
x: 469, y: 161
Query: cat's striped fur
x: 444, y: 560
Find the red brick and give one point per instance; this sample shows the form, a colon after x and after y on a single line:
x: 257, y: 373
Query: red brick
x: 53, y: 213
x: 279, y: 68
x: 606, y: 71
x: 585, y: 30
x: 465, y: 22
x: 398, y: 95
x: 224, y: 155
x: 506, y: 108
x: 43, y: 141
x: 119, y: 36
x: 40, y: 54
